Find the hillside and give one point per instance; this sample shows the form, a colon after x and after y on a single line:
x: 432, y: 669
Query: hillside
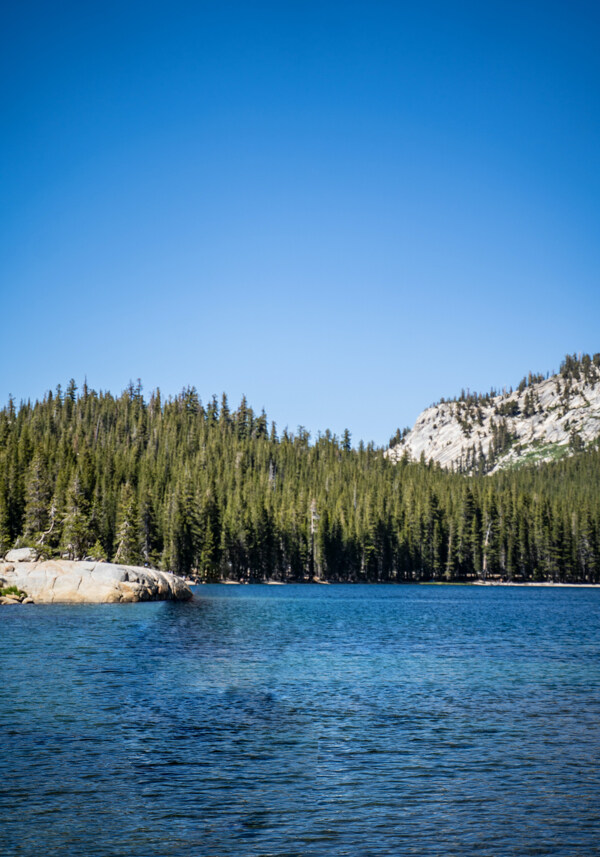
x: 544, y: 419
x: 218, y: 493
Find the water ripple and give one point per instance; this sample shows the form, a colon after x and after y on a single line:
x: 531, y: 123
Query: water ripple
x: 304, y: 721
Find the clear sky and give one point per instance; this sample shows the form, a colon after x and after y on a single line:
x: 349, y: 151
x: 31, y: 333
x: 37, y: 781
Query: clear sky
x: 344, y: 210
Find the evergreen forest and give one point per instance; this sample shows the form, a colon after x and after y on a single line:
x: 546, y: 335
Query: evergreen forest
x: 216, y: 493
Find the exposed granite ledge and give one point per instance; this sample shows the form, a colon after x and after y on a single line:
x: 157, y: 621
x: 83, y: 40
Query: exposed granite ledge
x: 65, y: 581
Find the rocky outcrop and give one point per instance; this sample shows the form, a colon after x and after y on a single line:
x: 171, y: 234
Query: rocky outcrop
x: 545, y: 419
x: 16, y: 598
x: 64, y: 581
x: 22, y: 555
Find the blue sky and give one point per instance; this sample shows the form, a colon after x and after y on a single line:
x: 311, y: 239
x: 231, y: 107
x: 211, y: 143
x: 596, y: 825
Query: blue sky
x: 343, y: 210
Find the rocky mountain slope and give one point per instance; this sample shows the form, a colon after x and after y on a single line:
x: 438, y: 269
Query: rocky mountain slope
x: 543, y: 419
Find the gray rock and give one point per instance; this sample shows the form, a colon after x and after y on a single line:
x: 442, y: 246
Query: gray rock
x: 65, y: 581
x: 22, y: 555
x: 447, y: 433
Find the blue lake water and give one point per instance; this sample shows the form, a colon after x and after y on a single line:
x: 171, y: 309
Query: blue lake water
x: 304, y: 720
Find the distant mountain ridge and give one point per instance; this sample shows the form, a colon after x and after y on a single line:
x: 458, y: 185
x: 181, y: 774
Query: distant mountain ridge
x: 545, y: 418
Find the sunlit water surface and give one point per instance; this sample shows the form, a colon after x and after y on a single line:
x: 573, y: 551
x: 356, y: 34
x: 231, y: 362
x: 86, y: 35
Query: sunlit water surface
x: 304, y: 720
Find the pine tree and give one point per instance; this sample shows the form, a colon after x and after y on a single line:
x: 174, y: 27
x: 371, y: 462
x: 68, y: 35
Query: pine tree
x: 208, y: 537
x: 346, y: 441
x: 151, y: 541
x: 128, y: 540
x: 37, y: 498
x: 5, y: 534
x: 76, y: 531
x: 184, y: 528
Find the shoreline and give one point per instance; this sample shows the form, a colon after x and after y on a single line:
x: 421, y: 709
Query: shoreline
x: 546, y: 584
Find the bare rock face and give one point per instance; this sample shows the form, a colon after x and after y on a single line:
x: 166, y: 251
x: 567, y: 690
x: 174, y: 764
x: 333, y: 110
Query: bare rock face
x: 550, y: 418
x: 64, y: 581
x: 22, y: 555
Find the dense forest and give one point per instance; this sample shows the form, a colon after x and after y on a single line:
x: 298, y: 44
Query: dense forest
x: 216, y: 492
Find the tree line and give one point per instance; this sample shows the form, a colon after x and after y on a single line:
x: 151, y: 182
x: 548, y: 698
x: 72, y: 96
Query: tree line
x: 206, y: 490
x: 573, y: 368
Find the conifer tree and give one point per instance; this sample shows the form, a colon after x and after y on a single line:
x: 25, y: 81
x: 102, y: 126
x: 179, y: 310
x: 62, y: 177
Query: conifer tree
x: 37, y: 498
x: 184, y: 528
x: 5, y: 533
x: 76, y: 536
x: 128, y: 539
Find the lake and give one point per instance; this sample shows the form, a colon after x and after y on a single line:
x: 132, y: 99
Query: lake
x: 304, y: 720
